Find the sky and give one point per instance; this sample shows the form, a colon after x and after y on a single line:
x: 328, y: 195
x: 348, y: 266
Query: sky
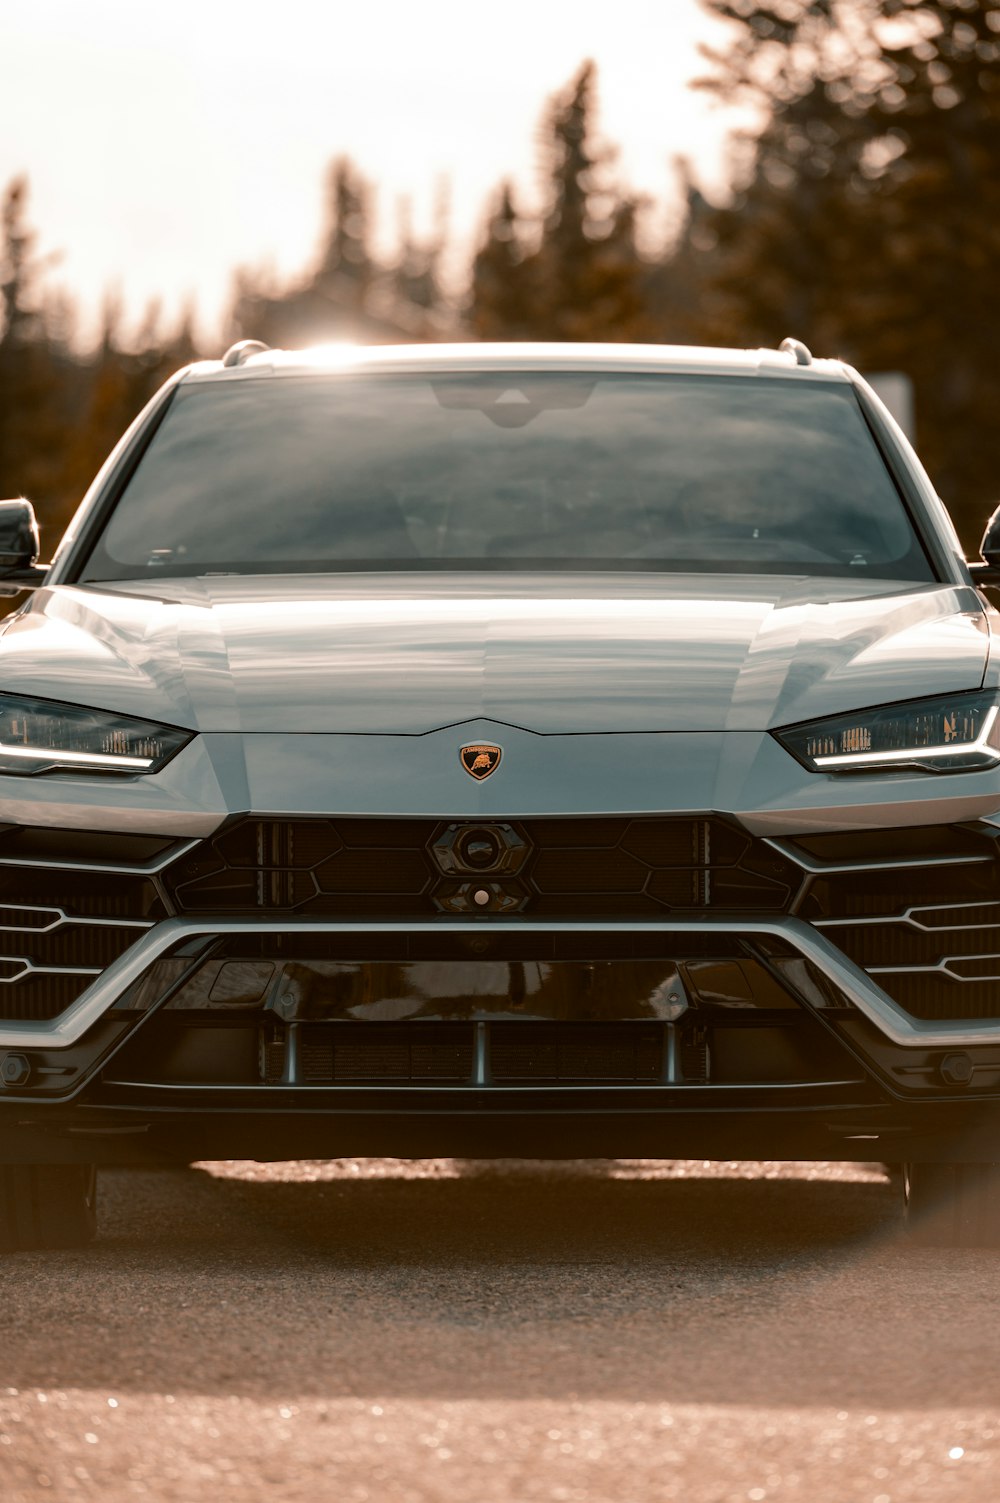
x: 167, y: 145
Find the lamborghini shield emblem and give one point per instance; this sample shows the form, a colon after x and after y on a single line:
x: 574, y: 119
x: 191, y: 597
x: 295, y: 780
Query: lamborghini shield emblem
x: 480, y: 760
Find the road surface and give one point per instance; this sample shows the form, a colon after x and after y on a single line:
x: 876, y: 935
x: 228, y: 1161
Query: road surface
x: 373, y: 1331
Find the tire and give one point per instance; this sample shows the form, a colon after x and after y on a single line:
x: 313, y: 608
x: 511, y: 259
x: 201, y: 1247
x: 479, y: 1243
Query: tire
x: 952, y: 1205
x: 47, y: 1206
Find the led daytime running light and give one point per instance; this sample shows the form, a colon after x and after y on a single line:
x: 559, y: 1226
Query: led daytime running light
x: 955, y: 733
x: 920, y: 753
x: 76, y: 759
x: 38, y: 736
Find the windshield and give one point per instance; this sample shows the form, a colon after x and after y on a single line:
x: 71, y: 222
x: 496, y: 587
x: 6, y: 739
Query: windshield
x: 511, y: 471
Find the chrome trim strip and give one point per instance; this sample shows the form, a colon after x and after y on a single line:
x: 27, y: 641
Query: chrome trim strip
x: 866, y: 995
x: 65, y: 918
x: 906, y: 920
x: 28, y: 968
x: 831, y: 868
x: 661, y: 1087
x: 943, y: 966
x: 30, y: 908
x: 124, y: 869
x: 906, y: 917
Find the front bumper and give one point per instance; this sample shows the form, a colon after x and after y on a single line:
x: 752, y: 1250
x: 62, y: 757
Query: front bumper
x: 173, y: 936
x: 491, y: 1125
x: 121, y: 1078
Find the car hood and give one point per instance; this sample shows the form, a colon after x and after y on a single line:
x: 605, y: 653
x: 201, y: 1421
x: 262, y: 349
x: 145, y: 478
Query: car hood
x: 559, y: 654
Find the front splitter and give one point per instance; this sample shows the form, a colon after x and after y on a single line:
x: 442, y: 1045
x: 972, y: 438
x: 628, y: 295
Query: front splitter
x: 577, y: 1125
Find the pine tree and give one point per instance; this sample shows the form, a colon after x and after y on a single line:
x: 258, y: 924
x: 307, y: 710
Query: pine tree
x: 579, y: 276
x: 349, y: 294
x: 345, y: 272
x: 109, y: 405
x: 586, y: 268
x: 329, y: 302
x: 504, y: 301
x: 35, y: 373
x: 116, y: 381
x: 868, y: 220
x: 20, y: 310
x: 680, y: 299
x: 414, y: 276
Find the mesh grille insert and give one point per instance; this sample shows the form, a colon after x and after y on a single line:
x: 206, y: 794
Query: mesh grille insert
x: 579, y: 1052
x: 50, y: 945
x: 445, y: 1053
x: 928, y: 934
x: 387, y: 1053
x: 572, y: 868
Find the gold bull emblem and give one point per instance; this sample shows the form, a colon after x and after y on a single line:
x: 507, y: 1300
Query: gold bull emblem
x: 480, y: 760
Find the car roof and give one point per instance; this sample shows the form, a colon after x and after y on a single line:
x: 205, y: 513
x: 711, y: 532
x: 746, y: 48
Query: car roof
x: 415, y: 358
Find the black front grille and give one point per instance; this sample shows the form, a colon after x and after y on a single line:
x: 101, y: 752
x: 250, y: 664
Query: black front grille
x: 569, y: 868
x: 923, y: 920
x: 717, y: 1046
x: 444, y: 1053
x: 356, y: 1053
x: 919, y: 909
x: 589, y: 1052
x: 937, y: 995
x: 62, y: 924
x: 34, y: 999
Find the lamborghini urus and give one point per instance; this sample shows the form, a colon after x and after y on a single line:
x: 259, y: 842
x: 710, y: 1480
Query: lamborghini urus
x: 474, y: 750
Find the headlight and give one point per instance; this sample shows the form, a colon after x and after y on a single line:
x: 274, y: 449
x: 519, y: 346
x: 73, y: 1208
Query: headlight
x: 40, y: 735
x: 956, y: 733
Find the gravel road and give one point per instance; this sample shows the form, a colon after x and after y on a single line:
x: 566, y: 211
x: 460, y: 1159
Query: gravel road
x: 458, y: 1333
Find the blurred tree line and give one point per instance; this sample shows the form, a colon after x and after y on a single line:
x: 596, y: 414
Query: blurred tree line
x: 864, y: 218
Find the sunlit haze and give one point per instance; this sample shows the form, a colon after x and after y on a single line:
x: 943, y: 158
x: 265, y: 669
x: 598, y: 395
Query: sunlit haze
x: 166, y: 146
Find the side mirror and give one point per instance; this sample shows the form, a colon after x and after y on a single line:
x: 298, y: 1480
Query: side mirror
x: 990, y: 546
x: 19, y: 547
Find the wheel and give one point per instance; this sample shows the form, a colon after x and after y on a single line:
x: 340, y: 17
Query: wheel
x: 47, y: 1205
x: 952, y: 1205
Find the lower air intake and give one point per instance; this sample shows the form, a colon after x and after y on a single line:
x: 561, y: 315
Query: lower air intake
x: 918, y: 909
x: 512, y: 1052
x: 71, y: 902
